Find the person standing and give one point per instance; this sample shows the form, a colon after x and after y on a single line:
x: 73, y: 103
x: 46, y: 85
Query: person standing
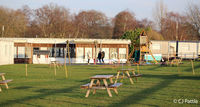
x: 99, y: 56
x: 102, y: 56
x: 88, y: 56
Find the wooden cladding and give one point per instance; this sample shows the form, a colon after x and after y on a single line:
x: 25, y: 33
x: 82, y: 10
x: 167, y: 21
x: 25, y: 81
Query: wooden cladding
x: 77, y: 45
x: 41, y: 45
x: 103, y: 45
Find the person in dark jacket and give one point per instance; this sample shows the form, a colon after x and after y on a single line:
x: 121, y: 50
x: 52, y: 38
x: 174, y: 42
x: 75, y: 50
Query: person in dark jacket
x: 99, y: 56
x: 102, y: 56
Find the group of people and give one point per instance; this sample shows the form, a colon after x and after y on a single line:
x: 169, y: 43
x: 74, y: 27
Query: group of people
x: 100, y: 57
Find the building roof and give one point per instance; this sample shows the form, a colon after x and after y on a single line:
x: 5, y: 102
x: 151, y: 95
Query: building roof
x: 63, y: 40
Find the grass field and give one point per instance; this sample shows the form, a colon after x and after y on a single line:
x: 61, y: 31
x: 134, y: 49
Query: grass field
x: 159, y: 86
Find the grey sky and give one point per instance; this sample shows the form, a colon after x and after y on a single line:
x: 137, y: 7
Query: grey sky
x: 141, y: 8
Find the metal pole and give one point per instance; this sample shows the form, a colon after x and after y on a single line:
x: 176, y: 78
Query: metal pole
x: 66, y: 72
x: 26, y: 59
x: 68, y: 51
x: 2, y: 30
x: 55, y: 60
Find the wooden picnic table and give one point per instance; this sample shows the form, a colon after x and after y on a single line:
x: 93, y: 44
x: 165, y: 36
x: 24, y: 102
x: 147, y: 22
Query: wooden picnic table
x: 55, y: 63
x: 99, y: 85
x: 4, y: 81
x: 125, y: 71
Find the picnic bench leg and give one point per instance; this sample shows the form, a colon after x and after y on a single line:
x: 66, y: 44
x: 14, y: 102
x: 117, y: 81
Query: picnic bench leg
x: 122, y: 75
x: 3, y: 78
x: 6, y: 85
x: 94, y: 92
x: 117, y: 77
x: 115, y: 90
x: 108, y: 90
x: 111, y: 81
x: 98, y: 82
x: 134, y: 74
x: 90, y: 86
x: 129, y: 77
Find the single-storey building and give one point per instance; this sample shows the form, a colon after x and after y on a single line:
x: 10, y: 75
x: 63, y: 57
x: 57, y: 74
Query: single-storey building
x: 182, y: 49
x: 45, y: 50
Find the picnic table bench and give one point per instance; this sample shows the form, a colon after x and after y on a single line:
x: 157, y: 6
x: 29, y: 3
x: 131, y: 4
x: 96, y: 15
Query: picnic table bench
x: 126, y: 74
x: 55, y: 63
x: 98, y: 85
x: 4, y: 81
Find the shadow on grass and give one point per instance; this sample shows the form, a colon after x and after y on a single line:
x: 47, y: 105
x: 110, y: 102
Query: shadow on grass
x: 135, y: 98
x: 155, y: 67
x: 44, y: 93
x: 23, y: 87
x: 42, y: 67
x: 190, y: 68
x: 171, y: 77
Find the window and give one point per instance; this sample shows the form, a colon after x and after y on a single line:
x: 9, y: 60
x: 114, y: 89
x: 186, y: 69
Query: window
x: 52, y: 52
x: 80, y: 53
x: 88, y: 51
x: 36, y: 49
x: 106, y: 50
x: 21, y: 52
x: 43, y: 48
x: 72, y: 53
x: 113, y: 53
x: 59, y: 52
x: 97, y: 52
x: 122, y: 53
x: 15, y: 52
x: 28, y: 52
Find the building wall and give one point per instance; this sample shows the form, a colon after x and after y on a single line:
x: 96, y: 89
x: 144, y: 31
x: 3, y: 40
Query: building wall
x: 188, y: 49
x: 199, y: 48
x: 159, y: 47
x: 120, y: 50
x: 7, y: 52
x: 113, y: 52
x: 172, y: 48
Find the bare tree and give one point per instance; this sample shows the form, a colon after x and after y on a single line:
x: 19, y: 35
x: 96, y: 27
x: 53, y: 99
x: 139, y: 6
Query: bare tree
x: 177, y: 27
x: 14, y: 22
x: 159, y: 13
x: 53, y: 20
x: 91, y: 24
x: 193, y: 13
x: 123, y: 22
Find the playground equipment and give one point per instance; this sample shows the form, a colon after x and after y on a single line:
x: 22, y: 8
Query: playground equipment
x: 142, y: 49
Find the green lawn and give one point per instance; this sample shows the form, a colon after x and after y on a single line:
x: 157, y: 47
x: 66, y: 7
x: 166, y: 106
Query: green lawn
x: 159, y: 86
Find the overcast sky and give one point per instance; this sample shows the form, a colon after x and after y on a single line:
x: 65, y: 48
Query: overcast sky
x: 141, y: 8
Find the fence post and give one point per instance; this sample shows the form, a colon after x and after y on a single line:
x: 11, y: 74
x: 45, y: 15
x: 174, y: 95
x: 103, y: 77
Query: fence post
x: 192, y: 67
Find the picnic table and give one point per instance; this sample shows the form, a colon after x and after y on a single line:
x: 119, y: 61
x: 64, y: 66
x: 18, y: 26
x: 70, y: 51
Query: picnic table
x: 4, y: 81
x: 55, y: 63
x: 99, y: 85
x: 126, y: 74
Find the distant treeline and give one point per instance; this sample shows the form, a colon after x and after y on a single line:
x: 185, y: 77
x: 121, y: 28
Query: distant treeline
x: 53, y: 21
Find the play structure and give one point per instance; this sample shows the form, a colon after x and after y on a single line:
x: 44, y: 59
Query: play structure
x: 141, y: 49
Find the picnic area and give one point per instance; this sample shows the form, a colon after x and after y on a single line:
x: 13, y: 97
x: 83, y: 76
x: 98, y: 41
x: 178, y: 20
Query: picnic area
x: 158, y: 86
